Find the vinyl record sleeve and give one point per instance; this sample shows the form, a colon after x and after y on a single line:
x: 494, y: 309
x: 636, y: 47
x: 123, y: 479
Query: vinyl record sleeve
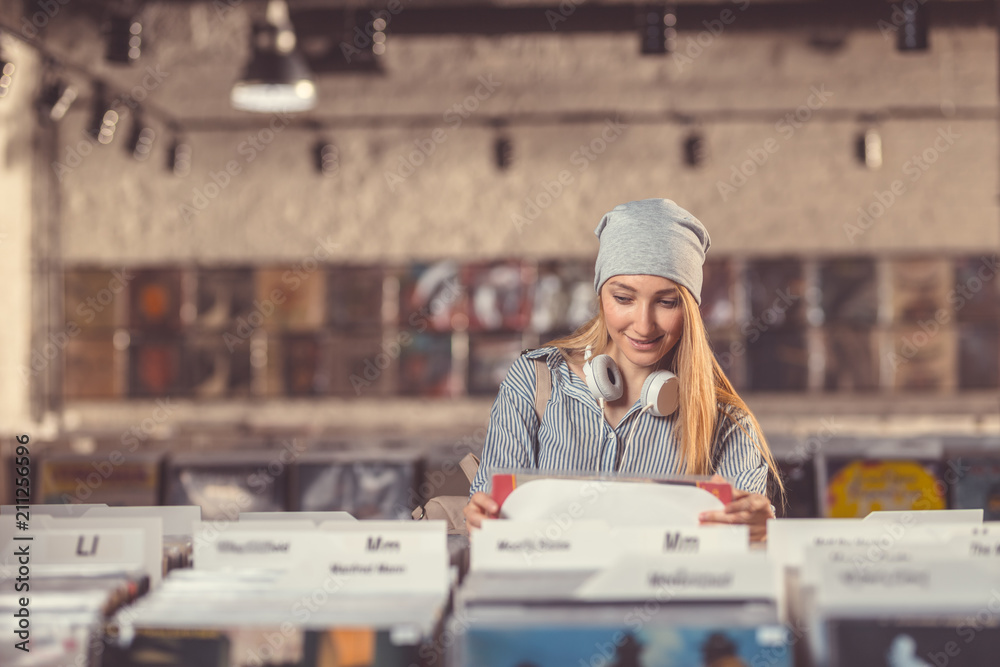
x: 223, y: 296
x: 155, y: 301
x: 913, y: 642
x: 368, y: 485
x: 564, y: 297
x: 920, y: 288
x: 225, y: 484
x: 632, y: 644
x: 857, y: 486
x: 499, y: 295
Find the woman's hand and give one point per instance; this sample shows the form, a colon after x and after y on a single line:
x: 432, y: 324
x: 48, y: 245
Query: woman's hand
x: 480, y: 507
x: 751, y: 509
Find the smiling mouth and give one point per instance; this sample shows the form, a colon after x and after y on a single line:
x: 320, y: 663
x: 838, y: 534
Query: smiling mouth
x: 644, y: 343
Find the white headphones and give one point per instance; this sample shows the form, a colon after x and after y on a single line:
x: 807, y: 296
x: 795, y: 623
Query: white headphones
x: 660, y: 393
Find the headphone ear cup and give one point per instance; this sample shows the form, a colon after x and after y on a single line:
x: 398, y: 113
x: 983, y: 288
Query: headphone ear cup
x: 603, y: 378
x: 661, y: 393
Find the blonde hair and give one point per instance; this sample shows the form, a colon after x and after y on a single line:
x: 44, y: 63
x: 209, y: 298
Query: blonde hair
x: 705, y: 392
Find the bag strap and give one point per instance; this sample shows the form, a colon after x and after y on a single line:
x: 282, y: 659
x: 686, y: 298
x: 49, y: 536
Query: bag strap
x: 543, y: 387
x: 469, y: 465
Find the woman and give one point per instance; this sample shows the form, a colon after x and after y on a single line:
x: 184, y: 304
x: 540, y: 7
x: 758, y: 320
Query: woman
x: 648, y: 279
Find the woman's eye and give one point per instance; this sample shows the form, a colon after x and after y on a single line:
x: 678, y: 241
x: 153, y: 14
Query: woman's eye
x: 669, y: 304
x: 622, y: 299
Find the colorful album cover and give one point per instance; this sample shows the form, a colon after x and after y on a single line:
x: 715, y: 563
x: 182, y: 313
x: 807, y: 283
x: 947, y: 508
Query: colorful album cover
x: 978, y: 355
x: 776, y: 291
x: 718, y: 294
x: 94, y: 369
x: 155, y: 367
x: 920, y: 288
x: 155, y: 301
x: 287, y: 299
x: 224, y: 487
x: 95, y: 299
x: 364, y: 365
x: 354, y: 297
x: 975, y: 294
x: 503, y: 484
x: 922, y: 358
x: 636, y: 645
x: 499, y: 295
x: 223, y: 295
x: 365, y: 485
x: 777, y: 361
x: 112, y: 478
x: 490, y: 356
x: 967, y: 641
x: 215, y: 371
x: 433, y: 297
x: 856, y: 487
x: 977, y: 484
x: 851, y: 359
x: 425, y: 367
x: 564, y: 297
x: 849, y: 291
x: 357, y: 647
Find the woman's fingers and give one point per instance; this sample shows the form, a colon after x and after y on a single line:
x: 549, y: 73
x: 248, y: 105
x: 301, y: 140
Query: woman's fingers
x: 480, y: 507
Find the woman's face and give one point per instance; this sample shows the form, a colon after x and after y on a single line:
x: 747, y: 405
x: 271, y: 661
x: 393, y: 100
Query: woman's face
x: 644, y: 316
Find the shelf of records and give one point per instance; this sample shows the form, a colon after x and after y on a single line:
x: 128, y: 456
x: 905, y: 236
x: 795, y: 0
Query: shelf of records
x: 449, y: 328
x: 588, y: 572
x: 823, y: 476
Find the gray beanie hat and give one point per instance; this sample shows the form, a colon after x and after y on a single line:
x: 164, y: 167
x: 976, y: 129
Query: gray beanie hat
x: 653, y: 237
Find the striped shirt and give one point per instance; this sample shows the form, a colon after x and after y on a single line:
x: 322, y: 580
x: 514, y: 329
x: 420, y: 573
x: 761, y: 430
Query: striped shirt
x: 574, y: 436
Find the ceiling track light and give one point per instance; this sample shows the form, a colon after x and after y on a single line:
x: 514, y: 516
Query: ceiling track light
x: 868, y: 148
x: 276, y: 78
x: 55, y: 98
x: 658, y: 29
x: 327, y: 157
x: 104, y: 121
x: 911, y: 17
x: 179, y: 157
x: 140, y: 143
x: 695, y: 149
x: 123, y: 34
x: 503, y: 152
x: 6, y: 75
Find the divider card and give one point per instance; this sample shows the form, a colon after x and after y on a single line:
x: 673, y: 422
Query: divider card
x: 931, y: 586
x: 227, y: 545
x: 81, y: 547
x: 151, y: 529
x: 591, y: 544
x: 683, y: 578
x: 541, y: 545
x: 381, y: 557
